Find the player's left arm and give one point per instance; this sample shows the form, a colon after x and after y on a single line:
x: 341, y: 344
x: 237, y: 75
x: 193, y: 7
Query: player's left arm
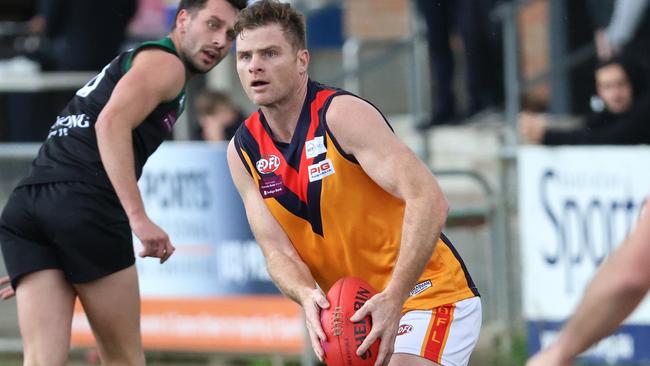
x: 362, y: 132
x: 615, y: 291
x: 288, y: 271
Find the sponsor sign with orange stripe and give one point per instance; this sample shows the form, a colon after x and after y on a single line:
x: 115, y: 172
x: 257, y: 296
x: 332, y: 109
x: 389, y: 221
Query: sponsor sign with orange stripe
x: 259, y: 324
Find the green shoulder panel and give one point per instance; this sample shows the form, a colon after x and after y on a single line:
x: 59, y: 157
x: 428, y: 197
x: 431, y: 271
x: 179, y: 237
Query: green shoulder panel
x: 165, y: 44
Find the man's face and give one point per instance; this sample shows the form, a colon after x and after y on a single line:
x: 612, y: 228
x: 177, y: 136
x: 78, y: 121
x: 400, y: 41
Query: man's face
x: 614, y: 88
x: 270, y: 68
x: 206, y: 34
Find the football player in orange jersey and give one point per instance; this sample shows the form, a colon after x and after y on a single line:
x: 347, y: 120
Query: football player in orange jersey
x: 330, y: 192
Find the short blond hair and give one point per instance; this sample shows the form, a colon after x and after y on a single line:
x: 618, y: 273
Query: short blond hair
x: 267, y: 12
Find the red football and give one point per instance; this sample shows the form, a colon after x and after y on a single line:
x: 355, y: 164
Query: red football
x: 344, y: 337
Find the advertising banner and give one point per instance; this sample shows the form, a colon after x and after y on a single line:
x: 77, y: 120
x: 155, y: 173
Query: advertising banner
x: 214, y: 293
x: 576, y: 204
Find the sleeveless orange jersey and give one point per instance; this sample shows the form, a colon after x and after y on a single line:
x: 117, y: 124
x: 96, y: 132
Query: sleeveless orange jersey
x: 338, y: 219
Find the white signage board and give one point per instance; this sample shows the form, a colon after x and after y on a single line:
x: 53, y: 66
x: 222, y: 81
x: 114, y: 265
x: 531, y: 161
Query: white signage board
x: 576, y: 204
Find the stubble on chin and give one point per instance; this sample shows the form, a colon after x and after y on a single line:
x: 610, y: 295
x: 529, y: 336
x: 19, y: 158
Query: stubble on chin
x: 191, y: 66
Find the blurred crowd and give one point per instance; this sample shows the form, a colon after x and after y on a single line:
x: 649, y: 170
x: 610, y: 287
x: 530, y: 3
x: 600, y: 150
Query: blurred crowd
x: 480, y: 38
x: 620, y: 105
x: 464, y: 39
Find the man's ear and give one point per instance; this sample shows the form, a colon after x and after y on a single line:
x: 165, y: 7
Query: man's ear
x: 303, y: 61
x: 182, y: 20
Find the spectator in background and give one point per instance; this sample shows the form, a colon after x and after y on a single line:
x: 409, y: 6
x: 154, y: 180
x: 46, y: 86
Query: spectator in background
x: 149, y: 22
x: 622, y: 28
x: 482, y: 46
x: 218, y: 116
x: 80, y: 34
x: 623, y: 120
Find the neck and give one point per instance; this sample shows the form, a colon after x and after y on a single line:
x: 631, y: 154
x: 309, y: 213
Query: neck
x: 175, y: 40
x: 282, y: 116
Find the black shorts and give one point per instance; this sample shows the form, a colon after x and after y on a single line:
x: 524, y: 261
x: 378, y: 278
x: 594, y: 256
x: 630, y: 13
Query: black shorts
x: 77, y: 227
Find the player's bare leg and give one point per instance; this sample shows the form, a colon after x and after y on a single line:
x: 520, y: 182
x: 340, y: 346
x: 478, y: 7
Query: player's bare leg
x: 112, y: 304
x: 405, y: 359
x: 45, y: 304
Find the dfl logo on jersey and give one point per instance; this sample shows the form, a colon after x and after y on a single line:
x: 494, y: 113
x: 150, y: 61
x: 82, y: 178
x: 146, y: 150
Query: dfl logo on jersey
x: 267, y: 164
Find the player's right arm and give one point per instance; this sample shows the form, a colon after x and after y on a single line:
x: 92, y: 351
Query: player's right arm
x: 616, y: 290
x: 289, y: 272
x: 156, y: 76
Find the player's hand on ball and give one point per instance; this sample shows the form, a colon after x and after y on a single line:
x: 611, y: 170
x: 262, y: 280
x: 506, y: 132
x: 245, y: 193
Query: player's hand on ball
x: 312, y: 303
x: 7, y: 291
x: 386, y: 314
x: 155, y: 241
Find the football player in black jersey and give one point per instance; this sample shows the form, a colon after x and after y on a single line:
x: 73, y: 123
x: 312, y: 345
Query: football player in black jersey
x: 66, y: 229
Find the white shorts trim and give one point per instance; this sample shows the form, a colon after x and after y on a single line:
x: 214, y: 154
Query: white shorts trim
x: 446, y: 335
